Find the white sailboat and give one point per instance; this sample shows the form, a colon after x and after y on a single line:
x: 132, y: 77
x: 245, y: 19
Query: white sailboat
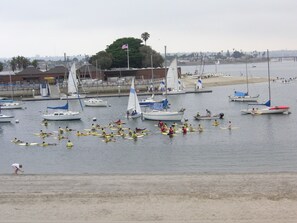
x: 163, y: 115
x: 7, y: 104
x: 244, y: 96
x: 133, y: 108
x: 5, y: 118
x: 10, y: 104
x: 173, y: 83
x: 62, y: 114
x: 72, y: 85
x: 282, y: 109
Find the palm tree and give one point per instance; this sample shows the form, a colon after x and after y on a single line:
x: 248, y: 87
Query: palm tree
x: 145, y: 36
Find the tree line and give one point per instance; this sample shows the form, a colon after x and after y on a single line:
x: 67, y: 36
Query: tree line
x: 19, y: 62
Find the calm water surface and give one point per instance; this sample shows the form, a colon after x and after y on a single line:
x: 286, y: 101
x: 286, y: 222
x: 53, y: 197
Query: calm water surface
x: 263, y: 143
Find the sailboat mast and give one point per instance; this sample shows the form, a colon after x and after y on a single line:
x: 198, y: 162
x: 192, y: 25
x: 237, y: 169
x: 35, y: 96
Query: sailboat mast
x: 269, y: 90
x: 165, y: 65
x: 152, y: 73
x: 134, y: 93
x: 246, y: 75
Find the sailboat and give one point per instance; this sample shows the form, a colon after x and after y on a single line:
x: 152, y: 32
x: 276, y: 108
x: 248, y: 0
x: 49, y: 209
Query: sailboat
x: 283, y: 109
x: 158, y: 112
x: 62, y: 114
x: 10, y: 103
x: 5, y: 118
x: 72, y: 85
x: 150, y: 100
x: 244, y: 96
x: 173, y: 83
x: 133, y: 108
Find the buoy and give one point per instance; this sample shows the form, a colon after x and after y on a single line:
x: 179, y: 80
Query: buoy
x: 17, y: 121
x: 94, y: 119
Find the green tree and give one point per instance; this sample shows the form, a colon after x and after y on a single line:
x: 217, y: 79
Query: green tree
x: 146, y: 52
x: 116, y: 57
x: 145, y: 36
x: 13, y: 63
x: 1, y: 66
x: 228, y: 54
x: 34, y: 63
x: 104, y: 60
x: 236, y: 54
x: 119, y: 55
x: 19, y: 62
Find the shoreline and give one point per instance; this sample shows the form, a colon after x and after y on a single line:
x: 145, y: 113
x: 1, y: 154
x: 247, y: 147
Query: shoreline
x: 239, y: 197
x: 189, y: 82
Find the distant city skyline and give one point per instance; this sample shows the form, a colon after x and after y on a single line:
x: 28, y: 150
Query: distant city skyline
x: 52, y: 27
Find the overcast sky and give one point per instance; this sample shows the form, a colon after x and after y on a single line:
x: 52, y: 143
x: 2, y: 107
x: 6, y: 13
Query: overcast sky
x: 52, y: 27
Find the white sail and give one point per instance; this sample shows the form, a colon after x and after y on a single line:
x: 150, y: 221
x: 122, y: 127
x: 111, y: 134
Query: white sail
x: 172, y: 76
x: 72, y: 80
x: 133, y: 103
x: 72, y: 86
x: 174, y: 85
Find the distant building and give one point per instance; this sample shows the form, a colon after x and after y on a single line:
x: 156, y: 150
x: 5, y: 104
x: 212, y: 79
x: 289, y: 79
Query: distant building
x: 59, y: 73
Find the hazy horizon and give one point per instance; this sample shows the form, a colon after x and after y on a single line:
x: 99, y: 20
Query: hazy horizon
x: 52, y: 27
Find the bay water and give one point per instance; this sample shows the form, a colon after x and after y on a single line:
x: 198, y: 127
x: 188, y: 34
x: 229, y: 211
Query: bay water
x: 260, y: 143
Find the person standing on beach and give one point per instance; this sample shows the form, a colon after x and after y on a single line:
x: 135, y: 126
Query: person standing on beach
x: 17, y: 167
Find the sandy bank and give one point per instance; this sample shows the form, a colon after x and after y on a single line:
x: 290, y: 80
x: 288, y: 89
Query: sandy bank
x: 149, y: 198
x: 190, y: 83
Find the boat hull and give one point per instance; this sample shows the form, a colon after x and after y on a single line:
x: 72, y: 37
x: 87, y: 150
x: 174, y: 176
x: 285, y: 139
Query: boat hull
x: 244, y: 99
x: 135, y: 116
x: 267, y: 110
x: 93, y: 102
x: 11, y: 105
x: 62, y: 116
x: 163, y: 115
x: 6, y: 118
x: 73, y: 97
x: 274, y: 110
x: 147, y: 103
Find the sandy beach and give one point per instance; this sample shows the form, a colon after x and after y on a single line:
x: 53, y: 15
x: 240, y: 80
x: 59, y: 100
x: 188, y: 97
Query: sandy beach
x: 190, y: 82
x: 270, y: 197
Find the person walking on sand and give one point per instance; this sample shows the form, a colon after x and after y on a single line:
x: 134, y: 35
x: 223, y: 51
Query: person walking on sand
x: 17, y: 168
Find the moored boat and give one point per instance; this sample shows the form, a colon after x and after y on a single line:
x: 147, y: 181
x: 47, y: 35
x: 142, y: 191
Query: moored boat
x: 243, y: 97
x: 164, y: 115
x: 95, y: 102
x: 62, y: 116
x: 133, y: 108
x: 5, y: 118
x: 282, y: 109
x: 7, y: 104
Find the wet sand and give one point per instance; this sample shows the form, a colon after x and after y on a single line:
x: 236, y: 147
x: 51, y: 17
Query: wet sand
x: 268, y: 197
